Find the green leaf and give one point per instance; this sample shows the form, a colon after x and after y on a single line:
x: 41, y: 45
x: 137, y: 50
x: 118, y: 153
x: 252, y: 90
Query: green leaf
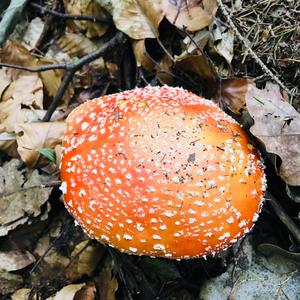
x: 49, y: 153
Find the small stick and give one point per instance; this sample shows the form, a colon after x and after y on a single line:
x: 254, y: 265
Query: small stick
x: 252, y: 53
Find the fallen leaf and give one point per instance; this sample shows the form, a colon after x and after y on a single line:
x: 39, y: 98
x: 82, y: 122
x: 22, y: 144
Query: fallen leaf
x: 22, y: 294
x: 9, y: 282
x: 52, y: 260
x: 33, y: 33
x: 233, y: 92
x: 193, y: 15
x: 86, y: 8
x: 139, y: 19
x: 68, y: 292
x: 277, y: 125
x: 33, y: 136
x: 15, y: 260
x: 87, y: 292
x: 26, y: 90
x: 271, y: 277
x: 197, y: 40
x: 107, y: 284
x: 142, y: 57
x: 164, y: 70
x: 85, y: 259
x: 13, y: 52
x: 21, y: 195
x: 76, y: 44
x: 199, y: 64
x: 4, y: 82
x: 223, y: 44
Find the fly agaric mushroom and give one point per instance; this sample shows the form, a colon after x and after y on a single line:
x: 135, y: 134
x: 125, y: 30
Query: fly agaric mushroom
x: 160, y: 171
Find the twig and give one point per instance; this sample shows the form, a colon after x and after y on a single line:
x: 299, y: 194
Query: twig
x: 252, y: 53
x: 43, y: 68
x: 72, y: 68
x: 284, y: 218
x: 54, y: 13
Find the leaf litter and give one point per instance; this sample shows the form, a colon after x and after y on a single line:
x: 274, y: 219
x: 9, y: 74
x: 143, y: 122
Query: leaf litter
x: 181, y: 43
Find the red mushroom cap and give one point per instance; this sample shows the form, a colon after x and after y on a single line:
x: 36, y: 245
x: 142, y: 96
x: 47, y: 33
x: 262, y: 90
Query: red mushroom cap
x: 162, y: 172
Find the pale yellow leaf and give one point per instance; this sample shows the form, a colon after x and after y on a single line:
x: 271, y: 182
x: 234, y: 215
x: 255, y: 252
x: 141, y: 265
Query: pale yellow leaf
x: 142, y: 56
x: 15, y: 260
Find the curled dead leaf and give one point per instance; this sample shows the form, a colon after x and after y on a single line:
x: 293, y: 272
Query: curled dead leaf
x: 277, y: 125
x: 233, y: 92
x: 142, y: 56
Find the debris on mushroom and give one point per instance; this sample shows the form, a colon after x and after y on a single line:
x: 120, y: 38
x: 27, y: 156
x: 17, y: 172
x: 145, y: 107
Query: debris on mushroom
x: 160, y: 171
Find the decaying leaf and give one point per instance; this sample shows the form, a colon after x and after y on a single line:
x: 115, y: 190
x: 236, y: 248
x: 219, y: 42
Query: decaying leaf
x: 27, y: 90
x: 271, y: 277
x: 197, y: 40
x: 15, y: 260
x: 32, y: 136
x: 21, y: 195
x: 142, y: 56
x: 87, y: 292
x: 223, y: 42
x: 68, y: 292
x: 137, y: 18
x: 164, y: 70
x: 86, y: 258
x: 21, y: 294
x: 52, y: 260
x: 14, y: 52
x: 192, y: 15
x: 4, y: 82
x: 87, y: 8
x: 9, y: 282
x: 76, y: 44
x: 277, y: 125
x: 233, y: 92
x: 33, y: 33
x: 107, y: 284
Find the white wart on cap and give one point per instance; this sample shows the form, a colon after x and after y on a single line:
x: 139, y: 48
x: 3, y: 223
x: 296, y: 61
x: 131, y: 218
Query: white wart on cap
x: 160, y: 171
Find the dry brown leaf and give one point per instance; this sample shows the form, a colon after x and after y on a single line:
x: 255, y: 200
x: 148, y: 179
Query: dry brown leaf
x: 15, y: 260
x: 142, y: 57
x: 164, y: 70
x: 51, y: 262
x: 22, y: 294
x: 32, y: 136
x: 193, y: 15
x: 137, y: 18
x: 4, y: 82
x: 84, y: 262
x: 277, y: 125
x: 233, y: 92
x: 21, y: 195
x: 87, y: 292
x: 33, y: 33
x: 14, y: 52
x: 200, y: 65
x: 68, y: 292
x: 9, y: 282
x: 26, y: 90
x: 86, y: 8
x: 107, y: 284
x: 76, y: 44
x: 223, y: 42
x: 198, y: 40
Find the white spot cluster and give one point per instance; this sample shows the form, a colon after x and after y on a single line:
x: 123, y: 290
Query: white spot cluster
x: 160, y: 171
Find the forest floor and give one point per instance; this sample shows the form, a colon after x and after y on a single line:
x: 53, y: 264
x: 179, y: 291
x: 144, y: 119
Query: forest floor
x: 55, y: 55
